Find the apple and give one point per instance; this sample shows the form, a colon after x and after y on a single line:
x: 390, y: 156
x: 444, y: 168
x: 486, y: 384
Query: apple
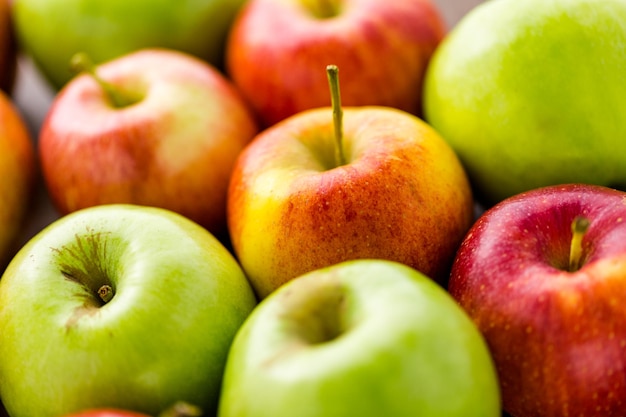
x: 52, y: 31
x: 18, y: 171
x: 178, y: 409
x: 359, y: 338
x: 277, y: 50
x: 168, y: 137
x: 541, y: 274
x: 531, y: 93
x: 118, y: 306
x: 333, y: 184
x: 8, y: 48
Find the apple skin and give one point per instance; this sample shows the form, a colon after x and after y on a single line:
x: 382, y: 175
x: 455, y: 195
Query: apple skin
x: 179, y: 298
x: 359, y: 338
x: 557, y: 337
x: 508, y: 91
x: 173, y: 149
x: 277, y: 50
x: 402, y: 196
x: 52, y: 31
x: 8, y: 48
x: 18, y: 172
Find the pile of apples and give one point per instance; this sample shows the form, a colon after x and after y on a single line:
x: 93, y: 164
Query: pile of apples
x: 315, y: 208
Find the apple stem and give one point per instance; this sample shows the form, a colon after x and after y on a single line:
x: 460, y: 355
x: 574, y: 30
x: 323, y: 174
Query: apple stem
x: 181, y: 409
x: 580, y: 225
x: 106, y: 293
x: 82, y: 63
x: 335, y: 96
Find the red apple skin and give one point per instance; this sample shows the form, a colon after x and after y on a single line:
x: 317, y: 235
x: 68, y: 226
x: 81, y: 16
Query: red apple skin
x: 8, y: 48
x: 18, y: 171
x: 558, y: 338
x: 403, y: 196
x: 107, y: 413
x: 174, y: 149
x: 277, y: 52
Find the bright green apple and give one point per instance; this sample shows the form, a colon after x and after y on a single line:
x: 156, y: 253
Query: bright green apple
x: 360, y: 338
x: 532, y: 93
x: 52, y: 31
x: 118, y: 306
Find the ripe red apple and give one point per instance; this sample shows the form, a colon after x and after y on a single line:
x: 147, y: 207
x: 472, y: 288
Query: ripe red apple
x: 277, y: 51
x: 314, y: 190
x: 172, y: 144
x: 543, y: 275
x: 17, y: 176
x: 179, y: 409
x: 8, y: 48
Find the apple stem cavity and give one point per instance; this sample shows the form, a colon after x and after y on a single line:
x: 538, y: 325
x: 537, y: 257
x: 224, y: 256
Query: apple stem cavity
x: 580, y: 225
x: 332, y: 72
x: 82, y: 63
x: 323, y: 9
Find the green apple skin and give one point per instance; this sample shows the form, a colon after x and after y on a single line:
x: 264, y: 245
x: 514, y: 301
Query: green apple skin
x: 178, y: 299
x: 531, y: 93
x: 402, y: 195
x: 360, y: 338
x: 52, y: 31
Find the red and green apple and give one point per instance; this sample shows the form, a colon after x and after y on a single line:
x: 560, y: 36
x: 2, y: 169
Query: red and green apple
x: 168, y: 137
x: 277, y: 50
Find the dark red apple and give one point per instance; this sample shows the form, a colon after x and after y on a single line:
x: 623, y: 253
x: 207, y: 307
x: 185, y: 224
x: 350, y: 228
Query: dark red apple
x: 543, y: 275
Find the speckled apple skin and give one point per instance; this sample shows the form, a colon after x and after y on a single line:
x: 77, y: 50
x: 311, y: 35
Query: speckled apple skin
x: 174, y: 149
x: 277, y: 52
x: 558, y: 338
x: 403, y: 196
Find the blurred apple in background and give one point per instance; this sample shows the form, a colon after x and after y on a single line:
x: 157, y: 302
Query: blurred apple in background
x: 52, y: 31
x: 172, y: 144
x: 304, y: 195
x: 543, y: 275
x: 8, y: 48
x: 532, y: 93
x: 18, y: 169
x: 360, y: 338
x: 118, y: 306
x: 278, y: 49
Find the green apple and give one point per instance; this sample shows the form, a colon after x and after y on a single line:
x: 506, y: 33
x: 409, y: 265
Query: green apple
x: 52, y: 31
x: 118, y: 306
x: 532, y: 93
x: 360, y: 338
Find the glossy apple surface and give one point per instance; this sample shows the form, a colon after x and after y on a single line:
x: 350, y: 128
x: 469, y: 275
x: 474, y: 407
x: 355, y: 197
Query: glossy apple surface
x: 8, y: 48
x: 158, y: 334
x: 277, y: 51
x: 402, y: 196
x: 557, y: 337
x: 360, y: 338
x: 531, y: 93
x: 18, y: 169
x: 52, y: 31
x: 174, y: 148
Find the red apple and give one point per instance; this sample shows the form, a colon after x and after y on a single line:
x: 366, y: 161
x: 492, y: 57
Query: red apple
x: 547, y: 294
x: 172, y: 145
x: 179, y: 409
x: 278, y: 49
x: 17, y: 176
x: 8, y: 48
x: 305, y: 194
